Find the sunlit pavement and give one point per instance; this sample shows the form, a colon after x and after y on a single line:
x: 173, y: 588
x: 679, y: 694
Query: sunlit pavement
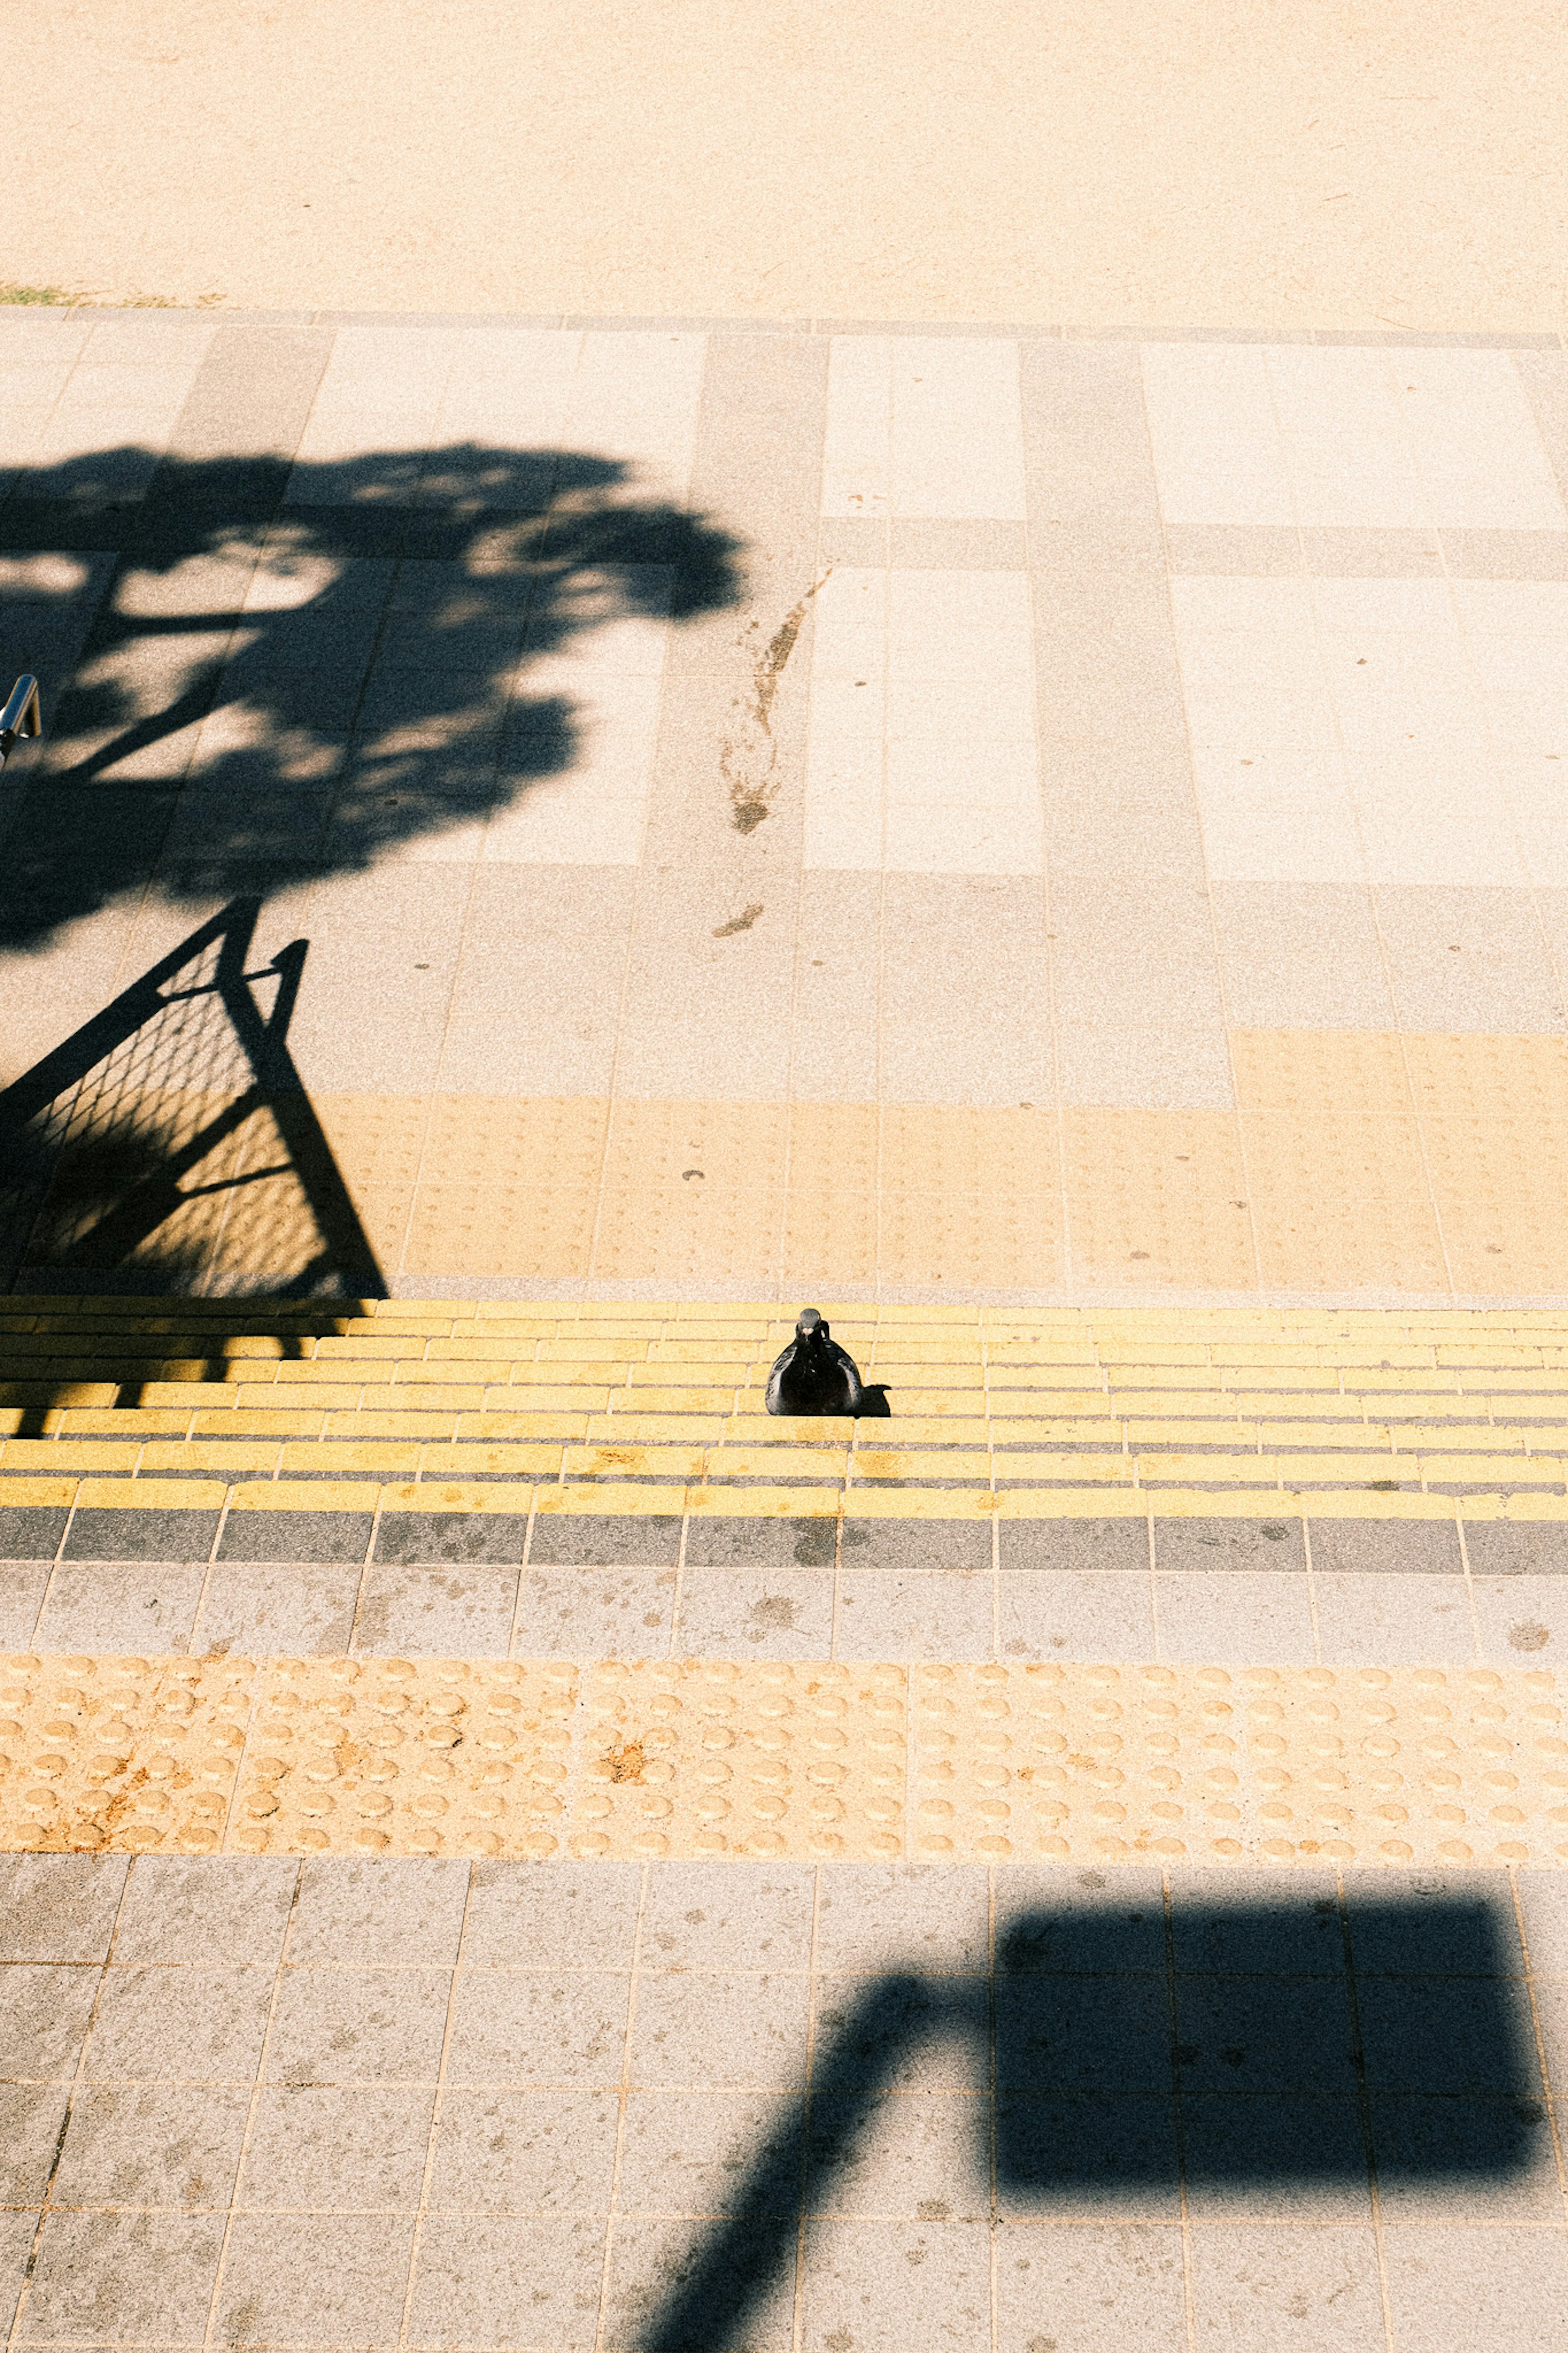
x: 554, y: 846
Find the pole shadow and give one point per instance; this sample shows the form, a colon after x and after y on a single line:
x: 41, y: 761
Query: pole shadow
x: 1251, y: 2057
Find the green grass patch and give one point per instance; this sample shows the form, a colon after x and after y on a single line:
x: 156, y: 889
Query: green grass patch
x: 50, y: 294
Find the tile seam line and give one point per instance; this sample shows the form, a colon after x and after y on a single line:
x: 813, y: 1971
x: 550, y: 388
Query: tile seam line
x: 613, y: 323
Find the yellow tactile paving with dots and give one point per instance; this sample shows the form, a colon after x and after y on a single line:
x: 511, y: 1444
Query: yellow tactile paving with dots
x: 1080, y: 1763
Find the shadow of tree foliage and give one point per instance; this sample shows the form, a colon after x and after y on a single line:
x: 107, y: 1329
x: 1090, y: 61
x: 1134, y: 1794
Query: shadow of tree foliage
x: 253, y: 692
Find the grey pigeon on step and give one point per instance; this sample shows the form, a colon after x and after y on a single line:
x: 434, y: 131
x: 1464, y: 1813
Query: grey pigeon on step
x: 815, y: 1374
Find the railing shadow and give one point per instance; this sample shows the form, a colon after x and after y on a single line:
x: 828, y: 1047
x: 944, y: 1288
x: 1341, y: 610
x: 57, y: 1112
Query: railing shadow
x: 1259, y: 2055
x: 169, y: 1145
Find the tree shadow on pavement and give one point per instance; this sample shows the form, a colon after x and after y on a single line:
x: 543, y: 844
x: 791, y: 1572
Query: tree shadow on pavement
x: 241, y: 693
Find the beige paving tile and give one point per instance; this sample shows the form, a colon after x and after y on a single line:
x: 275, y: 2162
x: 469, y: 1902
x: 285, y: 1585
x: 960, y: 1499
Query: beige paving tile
x: 923, y: 426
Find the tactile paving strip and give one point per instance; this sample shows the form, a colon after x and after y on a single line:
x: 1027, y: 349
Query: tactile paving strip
x: 1077, y: 1764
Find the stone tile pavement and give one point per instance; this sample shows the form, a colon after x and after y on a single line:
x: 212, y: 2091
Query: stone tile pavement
x: 893, y: 814
x: 541, y: 811
x: 442, y: 2104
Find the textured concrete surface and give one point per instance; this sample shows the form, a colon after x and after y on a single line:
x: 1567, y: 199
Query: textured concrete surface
x: 1217, y: 167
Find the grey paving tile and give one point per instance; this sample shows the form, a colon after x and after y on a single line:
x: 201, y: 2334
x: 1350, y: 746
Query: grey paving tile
x: 205, y: 1911
x: 554, y: 1915
x: 477, y: 2278
x: 779, y: 1613
x: 1088, y: 472
x: 1082, y: 2287
x: 58, y: 1907
x: 428, y: 1537
x: 707, y: 1916
x: 1077, y: 1613
x: 955, y: 1027
x: 891, y: 2284
x: 324, y: 2147
x: 680, y: 2281
x: 1126, y: 950
x: 837, y: 959
x: 152, y: 2146
x: 1520, y: 1621
x: 146, y: 1535
x: 1380, y: 1621
x: 1231, y: 1544
x: 357, y: 2026
x: 510, y: 2027
x: 172, y: 2025
x: 1074, y: 1545
x: 584, y: 1613
x: 1543, y: 1900
x: 316, y: 1537
x: 900, y: 1614
x: 1299, y: 2289
x: 1237, y: 2034
x: 721, y: 2028
x: 31, y: 1532
x: 1449, y: 2290
x: 604, y: 1540
x: 284, y: 1611
x: 905, y: 1545
x: 102, y: 2278
x: 1053, y: 1922
x: 1104, y: 816
x: 1452, y: 1922
x: 1068, y: 2155
x: 899, y: 2033
x: 1470, y: 959
x: 1254, y: 1618
x: 1245, y: 1921
x: 711, y: 2152
x: 1470, y: 2160
x: 525, y: 2152
x: 1280, y: 971
x: 1374, y: 1547
x: 905, y: 2156
x: 1451, y: 2036
x: 1516, y: 1547
x: 384, y: 1913
x: 437, y: 1613
x: 1275, y: 2154
x: 126, y: 1608
x: 1336, y: 551
x: 43, y: 2018
x: 1113, y: 2034
x: 32, y: 2116
x: 16, y: 2233
x: 339, y: 2276
x: 1106, y: 656
x: 933, y: 1918
x: 1506, y: 554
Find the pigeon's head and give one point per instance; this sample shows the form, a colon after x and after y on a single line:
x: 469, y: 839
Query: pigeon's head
x: 809, y: 1327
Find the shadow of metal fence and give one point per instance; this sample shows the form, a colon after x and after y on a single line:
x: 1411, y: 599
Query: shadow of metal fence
x: 169, y: 1147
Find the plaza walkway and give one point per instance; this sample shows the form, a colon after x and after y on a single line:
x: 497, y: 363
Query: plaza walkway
x: 554, y: 846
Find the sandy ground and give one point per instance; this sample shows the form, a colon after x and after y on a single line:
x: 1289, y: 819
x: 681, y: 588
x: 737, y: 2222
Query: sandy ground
x: 1277, y: 164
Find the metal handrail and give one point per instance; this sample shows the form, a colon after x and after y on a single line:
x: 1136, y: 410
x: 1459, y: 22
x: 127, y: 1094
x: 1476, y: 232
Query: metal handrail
x: 20, y: 718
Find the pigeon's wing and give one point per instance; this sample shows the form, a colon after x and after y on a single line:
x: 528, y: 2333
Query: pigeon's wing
x: 773, y: 1396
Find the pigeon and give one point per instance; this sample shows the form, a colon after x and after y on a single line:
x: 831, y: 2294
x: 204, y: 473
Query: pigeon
x: 815, y: 1374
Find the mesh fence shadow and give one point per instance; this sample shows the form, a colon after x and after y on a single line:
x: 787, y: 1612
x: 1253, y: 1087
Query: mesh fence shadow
x: 168, y: 1147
